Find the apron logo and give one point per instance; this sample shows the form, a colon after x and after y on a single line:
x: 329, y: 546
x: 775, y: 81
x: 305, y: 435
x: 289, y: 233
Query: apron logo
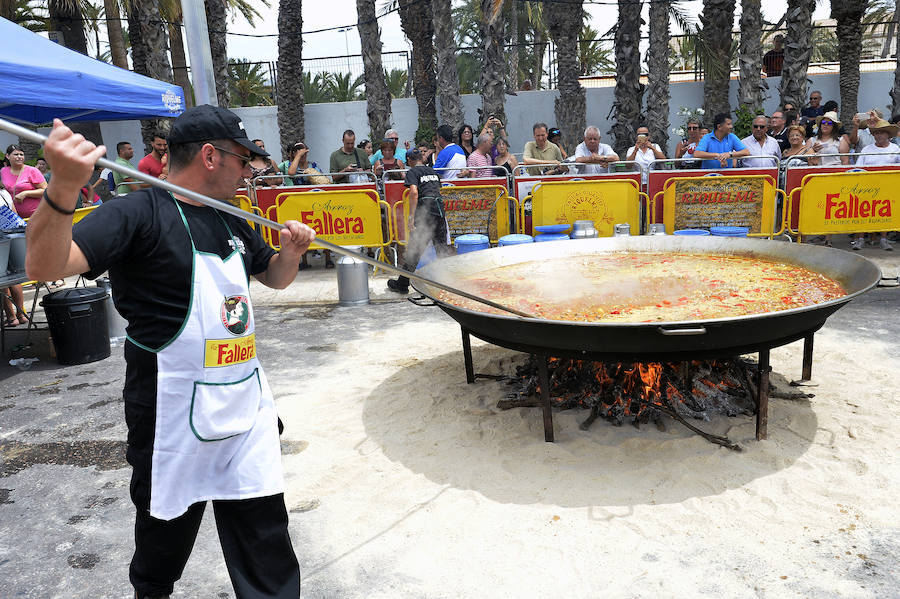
x: 227, y: 352
x: 235, y: 313
x: 237, y: 244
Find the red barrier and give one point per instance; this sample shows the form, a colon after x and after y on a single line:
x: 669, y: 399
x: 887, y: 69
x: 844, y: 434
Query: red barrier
x: 793, y: 179
x: 265, y: 196
x: 656, y: 180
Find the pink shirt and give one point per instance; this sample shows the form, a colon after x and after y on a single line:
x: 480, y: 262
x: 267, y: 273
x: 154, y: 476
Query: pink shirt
x: 29, y: 178
x: 478, y: 159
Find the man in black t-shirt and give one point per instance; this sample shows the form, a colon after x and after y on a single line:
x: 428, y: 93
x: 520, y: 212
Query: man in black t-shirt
x: 427, y: 221
x: 170, y: 258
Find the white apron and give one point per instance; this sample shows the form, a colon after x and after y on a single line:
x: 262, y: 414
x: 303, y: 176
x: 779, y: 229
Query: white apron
x: 216, y: 428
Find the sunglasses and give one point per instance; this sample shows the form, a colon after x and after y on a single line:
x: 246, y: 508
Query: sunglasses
x: 759, y: 126
x: 245, y: 160
x: 826, y: 122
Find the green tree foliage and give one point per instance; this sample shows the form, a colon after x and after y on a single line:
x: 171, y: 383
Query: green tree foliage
x: 247, y: 84
x: 594, y: 57
x: 396, y: 81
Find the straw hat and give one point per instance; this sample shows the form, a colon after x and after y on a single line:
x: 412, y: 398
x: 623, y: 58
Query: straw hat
x: 831, y: 116
x: 883, y: 125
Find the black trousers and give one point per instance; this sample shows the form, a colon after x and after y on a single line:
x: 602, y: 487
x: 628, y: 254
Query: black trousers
x: 430, y: 225
x: 255, y: 542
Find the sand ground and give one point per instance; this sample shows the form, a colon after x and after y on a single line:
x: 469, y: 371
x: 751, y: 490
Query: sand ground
x: 405, y: 482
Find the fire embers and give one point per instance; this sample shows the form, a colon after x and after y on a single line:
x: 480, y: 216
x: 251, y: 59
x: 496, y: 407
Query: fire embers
x: 641, y: 393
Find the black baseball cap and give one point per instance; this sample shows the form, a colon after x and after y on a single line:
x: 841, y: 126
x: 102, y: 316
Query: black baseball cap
x: 205, y: 122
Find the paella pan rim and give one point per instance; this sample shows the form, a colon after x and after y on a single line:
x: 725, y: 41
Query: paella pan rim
x: 856, y: 273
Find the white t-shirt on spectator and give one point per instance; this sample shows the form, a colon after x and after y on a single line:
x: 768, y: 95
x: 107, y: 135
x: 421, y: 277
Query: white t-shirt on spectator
x: 593, y: 168
x: 886, y: 158
x: 769, y: 147
x: 644, y: 158
x: 458, y: 163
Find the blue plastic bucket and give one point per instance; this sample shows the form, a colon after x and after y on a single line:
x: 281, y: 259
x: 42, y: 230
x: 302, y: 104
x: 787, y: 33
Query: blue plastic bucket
x: 515, y: 239
x: 691, y: 232
x: 551, y: 237
x: 729, y: 231
x: 471, y: 242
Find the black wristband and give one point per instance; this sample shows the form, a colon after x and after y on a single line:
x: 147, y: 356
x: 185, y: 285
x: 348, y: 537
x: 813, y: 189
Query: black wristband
x: 56, y: 207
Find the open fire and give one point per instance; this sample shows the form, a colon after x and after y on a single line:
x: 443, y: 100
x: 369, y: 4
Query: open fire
x: 641, y: 393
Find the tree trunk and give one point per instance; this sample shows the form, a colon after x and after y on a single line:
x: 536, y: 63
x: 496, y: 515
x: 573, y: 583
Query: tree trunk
x: 8, y: 9
x: 569, y: 107
x: 447, y: 75
x: 492, y: 66
x: 717, y: 20
x: 179, y: 63
x: 849, y: 34
x: 291, y: 123
x: 378, y: 98
x: 149, y: 55
x: 658, y: 74
x: 627, y: 104
x: 512, y: 54
x: 540, y: 45
x: 750, y: 56
x: 797, y: 51
x: 217, y: 24
x: 115, y: 35
x: 895, y: 91
x: 417, y: 25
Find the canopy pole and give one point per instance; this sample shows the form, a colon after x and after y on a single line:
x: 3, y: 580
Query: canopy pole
x: 196, y: 34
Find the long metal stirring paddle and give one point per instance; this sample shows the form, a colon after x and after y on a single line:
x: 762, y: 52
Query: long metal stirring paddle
x: 226, y: 207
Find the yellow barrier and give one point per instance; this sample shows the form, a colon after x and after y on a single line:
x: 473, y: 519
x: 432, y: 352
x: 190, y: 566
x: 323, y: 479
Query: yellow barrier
x: 849, y: 202
x: 351, y: 217
x: 704, y: 202
x: 606, y: 202
x: 81, y: 213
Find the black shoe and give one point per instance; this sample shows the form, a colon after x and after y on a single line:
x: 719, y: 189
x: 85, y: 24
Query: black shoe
x: 395, y: 285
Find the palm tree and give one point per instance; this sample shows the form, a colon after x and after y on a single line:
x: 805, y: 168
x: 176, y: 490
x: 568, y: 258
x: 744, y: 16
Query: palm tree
x: 247, y: 84
x: 593, y: 56
x: 715, y: 37
x: 534, y: 12
x: 627, y: 104
x: 512, y: 53
x: 116, y: 36
x: 849, y: 33
x: 149, y: 54
x: 447, y: 74
x: 316, y: 89
x: 658, y: 73
x: 179, y: 61
x: 378, y: 97
x: 396, y: 82
x: 797, y: 51
x: 217, y: 26
x: 418, y: 26
x: 342, y: 87
x: 493, y: 68
x: 895, y: 90
x: 750, y: 56
x: 291, y: 123
x: 569, y: 107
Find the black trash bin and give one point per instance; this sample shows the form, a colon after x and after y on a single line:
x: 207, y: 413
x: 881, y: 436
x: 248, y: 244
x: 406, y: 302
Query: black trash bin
x: 77, y: 319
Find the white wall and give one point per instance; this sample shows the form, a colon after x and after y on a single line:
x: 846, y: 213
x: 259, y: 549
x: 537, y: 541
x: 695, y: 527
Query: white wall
x: 326, y: 122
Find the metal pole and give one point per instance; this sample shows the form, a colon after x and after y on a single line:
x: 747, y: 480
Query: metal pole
x: 230, y: 209
x: 196, y: 33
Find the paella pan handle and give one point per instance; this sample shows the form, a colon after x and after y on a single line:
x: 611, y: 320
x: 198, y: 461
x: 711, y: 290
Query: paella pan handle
x: 692, y: 331
x: 421, y: 300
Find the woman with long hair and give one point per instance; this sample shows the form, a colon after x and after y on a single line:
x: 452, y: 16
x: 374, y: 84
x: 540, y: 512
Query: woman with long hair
x: 504, y: 158
x: 464, y: 138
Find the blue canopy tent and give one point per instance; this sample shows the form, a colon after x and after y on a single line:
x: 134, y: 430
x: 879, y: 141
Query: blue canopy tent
x: 41, y: 80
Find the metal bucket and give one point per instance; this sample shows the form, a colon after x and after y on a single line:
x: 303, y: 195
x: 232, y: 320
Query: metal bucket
x: 5, y: 242
x: 16, y: 252
x: 353, y: 281
x: 114, y: 320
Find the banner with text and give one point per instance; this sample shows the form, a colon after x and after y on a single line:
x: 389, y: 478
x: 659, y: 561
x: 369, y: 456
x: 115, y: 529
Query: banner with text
x: 864, y: 202
x: 704, y: 202
x: 350, y: 217
x: 476, y: 209
x: 605, y: 202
